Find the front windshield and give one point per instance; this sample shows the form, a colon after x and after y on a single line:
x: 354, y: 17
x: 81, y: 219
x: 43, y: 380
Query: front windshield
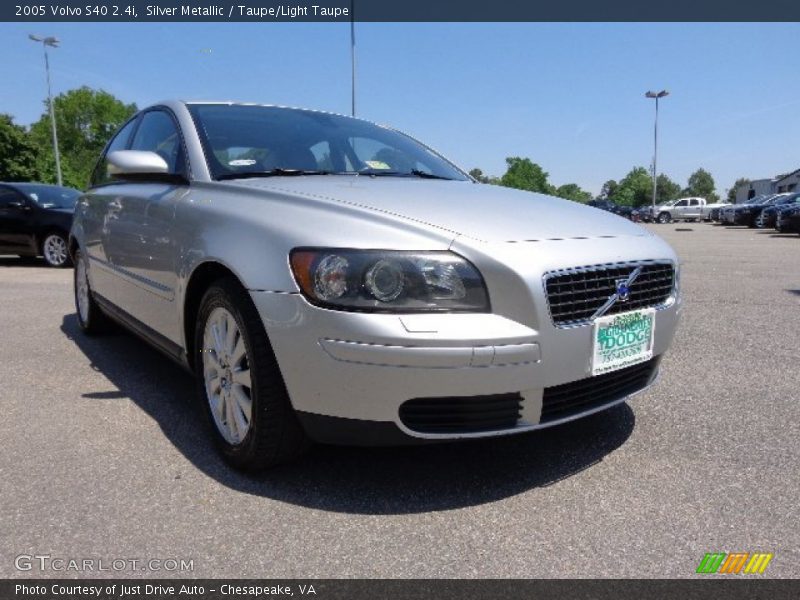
x: 51, y: 196
x: 240, y: 139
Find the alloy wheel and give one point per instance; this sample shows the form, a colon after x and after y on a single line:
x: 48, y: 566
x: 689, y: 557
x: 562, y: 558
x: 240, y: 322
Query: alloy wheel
x: 55, y: 250
x: 226, y: 373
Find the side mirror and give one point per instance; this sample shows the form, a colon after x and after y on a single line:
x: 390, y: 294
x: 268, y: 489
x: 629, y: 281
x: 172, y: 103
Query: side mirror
x: 122, y: 163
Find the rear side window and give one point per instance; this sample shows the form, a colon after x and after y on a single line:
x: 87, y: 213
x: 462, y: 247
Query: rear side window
x: 119, y: 142
x: 158, y: 133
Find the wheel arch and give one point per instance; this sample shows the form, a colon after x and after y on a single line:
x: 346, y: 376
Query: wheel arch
x: 200, y: 279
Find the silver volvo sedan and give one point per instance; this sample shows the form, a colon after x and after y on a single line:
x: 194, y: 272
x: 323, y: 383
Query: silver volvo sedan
x: 329, y: 279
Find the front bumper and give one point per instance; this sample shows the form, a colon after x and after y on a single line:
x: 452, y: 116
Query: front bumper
x: 348, y: 373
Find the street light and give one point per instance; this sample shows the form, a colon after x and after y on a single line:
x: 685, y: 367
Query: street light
x: 655, y: 95
x: 53, y: 43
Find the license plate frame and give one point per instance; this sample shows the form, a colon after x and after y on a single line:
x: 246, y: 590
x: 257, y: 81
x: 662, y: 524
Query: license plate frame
x: 622, y: 340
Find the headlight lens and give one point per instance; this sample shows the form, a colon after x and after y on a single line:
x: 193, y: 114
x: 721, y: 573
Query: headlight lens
x: 388, y: 280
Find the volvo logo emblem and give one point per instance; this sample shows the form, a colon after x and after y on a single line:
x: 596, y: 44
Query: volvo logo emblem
x: 622, y: 293
x: 623, y: 290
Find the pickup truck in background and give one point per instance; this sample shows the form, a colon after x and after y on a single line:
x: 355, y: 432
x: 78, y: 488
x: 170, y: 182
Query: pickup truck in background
x: 686, y: 209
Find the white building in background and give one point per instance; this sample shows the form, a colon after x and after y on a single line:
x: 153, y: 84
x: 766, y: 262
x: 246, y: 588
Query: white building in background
x: 789, y: 182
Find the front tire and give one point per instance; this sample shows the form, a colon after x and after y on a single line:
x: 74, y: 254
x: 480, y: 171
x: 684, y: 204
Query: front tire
x: 239, y: 383
x: 664, y: 217
x: 54, y: 250
x: 91, y: 318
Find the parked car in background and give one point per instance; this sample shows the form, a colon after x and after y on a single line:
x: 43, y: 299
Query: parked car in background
x: 788, y: 219
x: 605, y: 205
x: 728, y: 213
x: 792, y: 222
x: 326, y: 278
x: 35, y: 220
x: 748, y: 213
x: 685, y: 209
x: 769, y: 215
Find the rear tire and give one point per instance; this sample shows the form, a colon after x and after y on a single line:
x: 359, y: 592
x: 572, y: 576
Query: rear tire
x: 55, y: 250
x: 239, y: 383
x: 91, y: 318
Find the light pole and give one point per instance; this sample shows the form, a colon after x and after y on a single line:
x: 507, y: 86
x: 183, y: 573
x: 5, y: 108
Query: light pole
x: 655, y: 95
x: 53, y: 43
x: 352, y: 59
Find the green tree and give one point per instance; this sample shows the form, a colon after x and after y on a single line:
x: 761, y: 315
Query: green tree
x: 572, y: 191
x: 635, y: 189
x: 86, y: 119
x: 608, y: 189
x: 17, y: 152
x: 523, y: 174
x: 667, y: 189
x: 742, y: 181
x: 478, y: 175
x: 701, y: 184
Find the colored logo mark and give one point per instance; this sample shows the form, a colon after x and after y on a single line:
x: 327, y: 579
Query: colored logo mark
x: 735, y: 562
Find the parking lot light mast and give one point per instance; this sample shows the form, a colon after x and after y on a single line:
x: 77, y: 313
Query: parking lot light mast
x: 655, y: 95
x: 53, y: 43
x: 352, y: 60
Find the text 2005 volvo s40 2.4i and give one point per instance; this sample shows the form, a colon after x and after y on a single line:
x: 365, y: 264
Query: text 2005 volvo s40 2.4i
x: 333, y: 280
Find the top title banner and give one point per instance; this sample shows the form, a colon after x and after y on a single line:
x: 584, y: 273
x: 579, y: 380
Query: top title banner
x: 397, y: 10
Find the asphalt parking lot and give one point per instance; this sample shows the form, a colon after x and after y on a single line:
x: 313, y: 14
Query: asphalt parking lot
x: 103, y: 455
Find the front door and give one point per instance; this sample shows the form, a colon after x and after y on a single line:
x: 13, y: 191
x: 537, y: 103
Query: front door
x: 16, y: 232
x: 138, y: 240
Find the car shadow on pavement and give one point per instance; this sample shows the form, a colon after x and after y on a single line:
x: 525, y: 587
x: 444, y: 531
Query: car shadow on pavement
x: 25, y: 261
x: 356, y: 480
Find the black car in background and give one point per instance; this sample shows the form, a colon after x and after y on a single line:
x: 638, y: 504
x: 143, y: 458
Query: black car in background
x: 618, y: 209
x: 789, y: 219
x: 35, y: 219
x: 767, y: 216
x: 746, y: 214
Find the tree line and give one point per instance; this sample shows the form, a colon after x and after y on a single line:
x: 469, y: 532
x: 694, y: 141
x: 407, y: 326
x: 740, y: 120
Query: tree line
x: 87, y: 118
x: 635, y: 189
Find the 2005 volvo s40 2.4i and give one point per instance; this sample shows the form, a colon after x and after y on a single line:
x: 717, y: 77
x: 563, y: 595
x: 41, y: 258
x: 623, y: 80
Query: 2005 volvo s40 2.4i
x: 329, y: 279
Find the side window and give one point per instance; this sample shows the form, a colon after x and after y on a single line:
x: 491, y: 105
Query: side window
x: 158, y: 133
x: 694, y: 202
x: 120, y: 142
x: 7, y: 195
x: 681, y: 203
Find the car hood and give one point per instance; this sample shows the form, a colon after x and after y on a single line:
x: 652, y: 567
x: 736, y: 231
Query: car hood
x: 480, y: 211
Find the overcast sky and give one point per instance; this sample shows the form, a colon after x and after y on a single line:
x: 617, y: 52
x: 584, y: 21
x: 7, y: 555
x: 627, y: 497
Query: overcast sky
x: 569, y: 96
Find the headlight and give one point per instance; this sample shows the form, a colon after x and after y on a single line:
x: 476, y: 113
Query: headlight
x: 388, y: 280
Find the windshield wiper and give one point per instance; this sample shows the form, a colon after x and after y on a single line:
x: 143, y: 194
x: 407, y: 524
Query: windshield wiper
x: 411, y: 173
x: 276, y: 172
x: 426, y: 175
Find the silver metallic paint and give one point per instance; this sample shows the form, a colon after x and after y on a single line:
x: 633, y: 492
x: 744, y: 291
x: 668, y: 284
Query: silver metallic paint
x: 146, y: 240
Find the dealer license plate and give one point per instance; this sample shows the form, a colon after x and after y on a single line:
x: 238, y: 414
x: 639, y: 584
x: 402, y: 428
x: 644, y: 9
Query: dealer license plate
x: 622, y: 340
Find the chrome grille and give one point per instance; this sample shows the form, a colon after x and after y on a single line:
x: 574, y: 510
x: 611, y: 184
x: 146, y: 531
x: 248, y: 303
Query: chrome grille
x: 574, y: 295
